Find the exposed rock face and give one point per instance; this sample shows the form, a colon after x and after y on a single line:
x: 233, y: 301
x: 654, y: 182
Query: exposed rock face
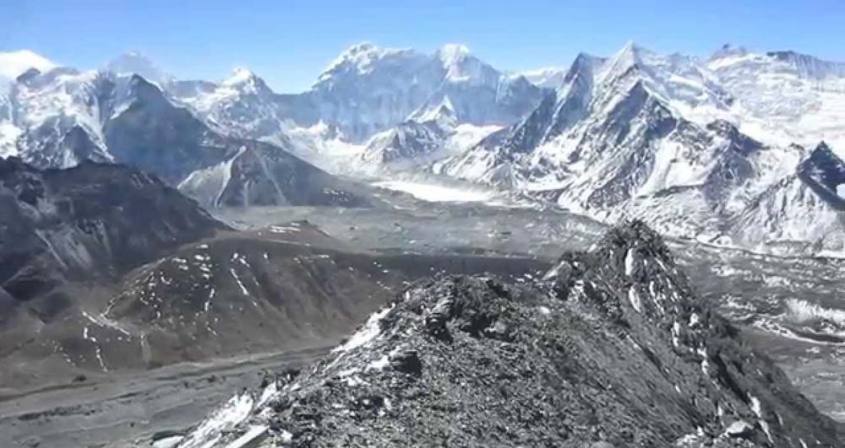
x: 88, y: 221
x: 611, y: 348
x: 824, y: 173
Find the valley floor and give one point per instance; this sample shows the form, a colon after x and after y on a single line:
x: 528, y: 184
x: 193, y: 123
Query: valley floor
x: 128, y: 411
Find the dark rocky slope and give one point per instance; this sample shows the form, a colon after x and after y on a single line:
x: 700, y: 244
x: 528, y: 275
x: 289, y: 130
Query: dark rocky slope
x: 611, y: 348
x: 281, y: 288
x: 67, y: 234
x: 94, y: 220
x: 824, y: 173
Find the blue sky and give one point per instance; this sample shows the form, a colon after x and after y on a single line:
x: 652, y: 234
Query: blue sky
x: 288, y: 42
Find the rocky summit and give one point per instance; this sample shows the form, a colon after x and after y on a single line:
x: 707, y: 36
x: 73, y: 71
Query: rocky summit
x: 611, y: 348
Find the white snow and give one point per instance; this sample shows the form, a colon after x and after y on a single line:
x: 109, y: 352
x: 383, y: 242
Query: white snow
x: 360, y: 57
x: 629, y: 263
x: 676, y: 334
x: 210, y: 431
x: 758, y: 410
x: 168, y: 442
x: 453, y: 57
x: 738, y: 427
x: 9, y: 134
x: 544, y: 310
x: 634, y: 298
x: 367, y: 333
x: 15, y: 63
x: 548, y: 77
x: 249, y: 436
x: 239, y: 282
x: 798, y: 310
x: 98, y: 350
x: 212, y: 179
x: 379, y: 364
x: 437, y: 193
x: 705, y: 362
x: 239, y: 75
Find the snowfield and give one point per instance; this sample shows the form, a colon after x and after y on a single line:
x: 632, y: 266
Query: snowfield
x: 437, y: 193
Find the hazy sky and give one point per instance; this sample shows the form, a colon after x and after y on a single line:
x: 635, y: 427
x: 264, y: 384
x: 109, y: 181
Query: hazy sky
x: 288, y: 42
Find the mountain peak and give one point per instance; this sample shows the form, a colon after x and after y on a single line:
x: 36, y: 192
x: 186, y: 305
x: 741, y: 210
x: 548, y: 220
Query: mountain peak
x: 136, y: 63
x: 245, y: 80
x: 807, y: 66
x: 632, y: 51
x: 239, y: 75
x: 451, y: 54
x: 359, y: 57
x: 547, y: 77
x: 629, y: 56
x: 461, y: 66
x: 728, y: 50
x: 361, y: 47
x: 15, y: 63
x: 823, y: 156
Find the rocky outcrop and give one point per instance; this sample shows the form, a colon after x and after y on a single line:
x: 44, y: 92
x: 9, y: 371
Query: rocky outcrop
x: 610, y: 348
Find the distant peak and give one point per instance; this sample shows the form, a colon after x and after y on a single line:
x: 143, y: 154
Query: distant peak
x: 629, y: 46
x: 808, y: 66
x: 134, y: 62
x: 633, y: 51
x: 583, y: 63
x: 245, y: 80
x: 361, y: 47
x: 15, y: 63
x: 629, y: 56
x: 239, y: 75
x: 362, y: 51
x: 359, y: 57
x: 451, y: 53
x: 728, y: 50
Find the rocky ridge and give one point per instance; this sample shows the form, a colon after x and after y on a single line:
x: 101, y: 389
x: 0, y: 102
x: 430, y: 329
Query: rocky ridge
x: 610, y: 348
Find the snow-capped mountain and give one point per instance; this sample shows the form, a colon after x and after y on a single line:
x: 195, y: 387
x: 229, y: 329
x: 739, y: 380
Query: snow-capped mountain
x: 803, y: 211
x: 15, y: 63
x: 368, y: 89
x: 784, y: 97
x: 547, y: 78
x: 370, y: 101
x: 12, y: 65
x: 697, y: 147
x: 59, y: 116
x: 651, y: 136
x: 429, y: 135
x: 63, y: 117
x: 241, y: 105
x: 135, y: 63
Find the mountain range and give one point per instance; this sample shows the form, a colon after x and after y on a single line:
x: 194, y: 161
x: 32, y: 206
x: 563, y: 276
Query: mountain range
x: 721, y: 149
